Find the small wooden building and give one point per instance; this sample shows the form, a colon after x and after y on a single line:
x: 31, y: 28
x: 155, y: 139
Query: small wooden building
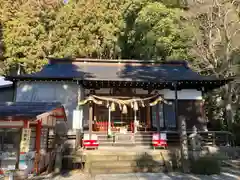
x: 155, y: 94
x: 24, y: 131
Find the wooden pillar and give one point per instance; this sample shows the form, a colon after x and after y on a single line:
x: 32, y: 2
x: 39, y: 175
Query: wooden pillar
x: 131, y: 115
x: 148, y: 116
x: 38, y: 145
x: 135, y: 121
x: 157, y: 117
x: 25, y: 124
x: 176, y: 106
x: 90, y: 119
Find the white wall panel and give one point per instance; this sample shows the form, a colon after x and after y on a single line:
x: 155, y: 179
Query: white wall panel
x: 184, y: 94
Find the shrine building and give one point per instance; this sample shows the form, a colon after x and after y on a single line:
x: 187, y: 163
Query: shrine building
x: 122, y: 96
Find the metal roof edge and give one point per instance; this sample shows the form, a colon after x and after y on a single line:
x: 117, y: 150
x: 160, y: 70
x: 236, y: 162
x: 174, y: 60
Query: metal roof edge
x: 170, y: 62
x: 6, y: 86
x: 30, y: 78
x: 4, y: 83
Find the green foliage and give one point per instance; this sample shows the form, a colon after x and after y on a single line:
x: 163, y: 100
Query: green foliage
x: 25, y: 34
x: 140, y: 29
x: 85, y: 29
x: 207, y: 165
x: 156, y: 32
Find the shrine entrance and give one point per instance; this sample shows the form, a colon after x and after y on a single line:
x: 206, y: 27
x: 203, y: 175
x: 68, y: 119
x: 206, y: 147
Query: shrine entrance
x: 121, y: 114
x: 121, y: 122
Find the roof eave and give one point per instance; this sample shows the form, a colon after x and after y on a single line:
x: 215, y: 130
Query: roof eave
x: 14, y: 78
x: 6, y: 86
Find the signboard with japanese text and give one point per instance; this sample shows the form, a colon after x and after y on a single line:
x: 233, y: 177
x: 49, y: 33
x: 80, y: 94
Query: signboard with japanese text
x: 25, y: 140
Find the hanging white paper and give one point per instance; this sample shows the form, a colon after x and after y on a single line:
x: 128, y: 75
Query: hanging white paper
x: 77, y: 119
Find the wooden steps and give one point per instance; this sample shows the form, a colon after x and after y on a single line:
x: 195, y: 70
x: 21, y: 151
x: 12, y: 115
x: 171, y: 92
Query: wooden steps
x: 128, y: 139
x: 140, y: 138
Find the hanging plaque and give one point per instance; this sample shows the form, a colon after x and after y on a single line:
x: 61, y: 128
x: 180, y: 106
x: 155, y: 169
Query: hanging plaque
x: 25, y: 140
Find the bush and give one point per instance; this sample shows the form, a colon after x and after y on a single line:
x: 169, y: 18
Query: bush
x: 206, y: 165
x: 236, y: 132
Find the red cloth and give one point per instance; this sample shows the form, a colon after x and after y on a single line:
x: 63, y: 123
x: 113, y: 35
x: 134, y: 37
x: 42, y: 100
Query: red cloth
x: 158, y: 141
x: 90, y: 143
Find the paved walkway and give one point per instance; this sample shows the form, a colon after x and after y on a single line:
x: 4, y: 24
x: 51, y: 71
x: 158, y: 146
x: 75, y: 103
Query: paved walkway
x: 162, y: 176
x: 150, y: 176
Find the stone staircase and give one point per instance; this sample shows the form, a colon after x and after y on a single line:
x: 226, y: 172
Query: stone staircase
x: 128, y: 139
x: 134, y: 139
x: 126, y: 161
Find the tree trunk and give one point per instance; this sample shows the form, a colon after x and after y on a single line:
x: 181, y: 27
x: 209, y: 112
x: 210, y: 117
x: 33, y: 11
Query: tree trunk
x: 228, y: 106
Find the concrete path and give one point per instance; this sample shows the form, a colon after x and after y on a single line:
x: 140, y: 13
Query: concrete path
x: 150, y: 176
x: 162, y: 176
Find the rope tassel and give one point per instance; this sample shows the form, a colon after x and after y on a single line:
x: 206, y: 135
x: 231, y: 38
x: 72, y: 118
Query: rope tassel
x: 124, y: 111
x: 113, y: 107
x: 135, y: 106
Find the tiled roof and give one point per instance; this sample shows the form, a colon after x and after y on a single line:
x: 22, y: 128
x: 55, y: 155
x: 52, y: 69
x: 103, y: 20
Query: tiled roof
x: 26, y: 109
x: 114, y: 71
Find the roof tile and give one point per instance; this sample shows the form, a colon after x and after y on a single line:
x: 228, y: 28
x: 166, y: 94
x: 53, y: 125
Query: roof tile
x: 117, y: 72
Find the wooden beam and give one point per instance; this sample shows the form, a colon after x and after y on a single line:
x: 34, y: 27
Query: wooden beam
x: 158, y: 117
x: 11, y: 124
x: 16, y: 118
x: 58, y: 116
x: 90, y: 119
x: 26, y: 124
x: 38, y: 145
x: 148, y: 116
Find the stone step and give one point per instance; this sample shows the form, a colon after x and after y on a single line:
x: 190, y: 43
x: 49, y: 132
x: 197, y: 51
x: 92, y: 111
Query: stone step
x: 133, y: 141
x: 125, y: 138
x: 123, y: 151
x: 127, y: 163
x: 112, y: 170
x: 143, y: 137
x: 232, y: 163
x: 115, y: 164
x: 125, y: 144
x: 124, y: 160
x: 114, y: 158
